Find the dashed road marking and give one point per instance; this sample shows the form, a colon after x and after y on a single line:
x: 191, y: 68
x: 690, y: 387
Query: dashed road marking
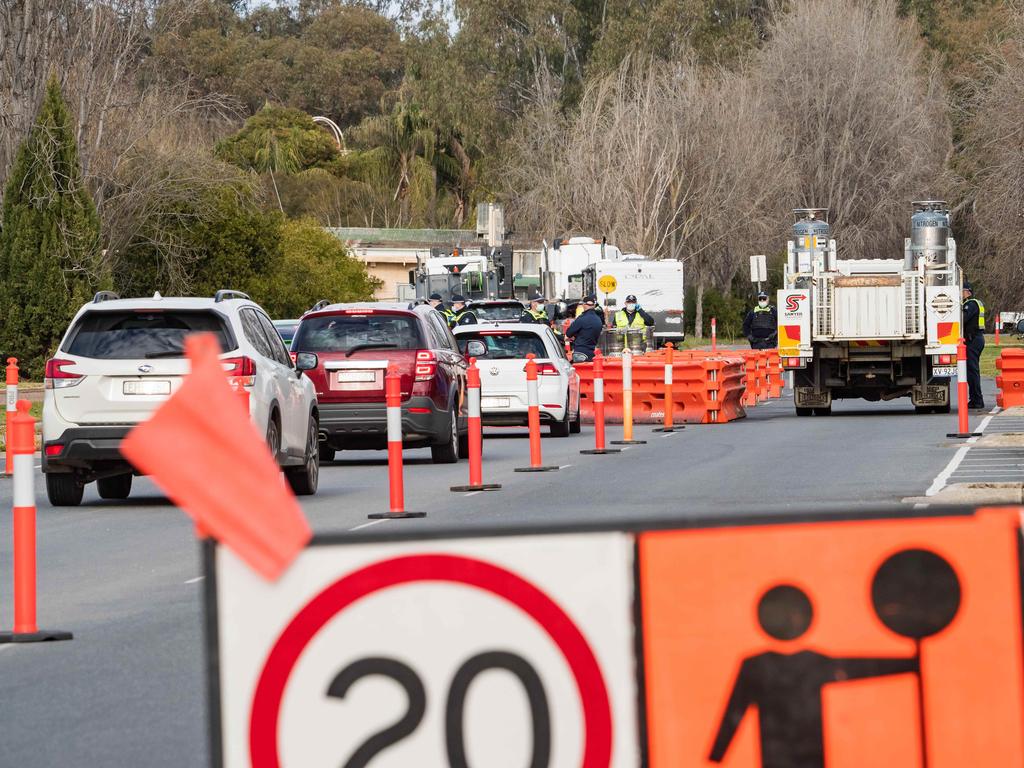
x: 943, y: 477
x: 197, y: 578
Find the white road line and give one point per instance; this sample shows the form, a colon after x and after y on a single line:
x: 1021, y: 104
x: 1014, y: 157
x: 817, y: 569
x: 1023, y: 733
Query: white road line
x: 943, y: 477
x: 564, y: 466
x: 921, y: 505
x: 367, y: 525
x: 197, y: 578
x: 471, y: 493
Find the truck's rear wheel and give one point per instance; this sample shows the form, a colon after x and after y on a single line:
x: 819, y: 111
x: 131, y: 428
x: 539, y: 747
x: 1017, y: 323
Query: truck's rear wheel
x: 827, y: 411
x: 804, y: 411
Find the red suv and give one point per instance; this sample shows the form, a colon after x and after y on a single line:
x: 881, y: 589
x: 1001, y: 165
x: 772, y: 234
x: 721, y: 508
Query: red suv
x: 355, y: 344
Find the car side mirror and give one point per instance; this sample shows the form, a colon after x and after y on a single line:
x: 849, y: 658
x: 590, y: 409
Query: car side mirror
x: 476, y: 349
x: 306, y: 361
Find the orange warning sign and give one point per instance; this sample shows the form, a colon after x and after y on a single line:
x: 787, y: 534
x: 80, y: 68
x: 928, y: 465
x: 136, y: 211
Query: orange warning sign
x: 881, y: 643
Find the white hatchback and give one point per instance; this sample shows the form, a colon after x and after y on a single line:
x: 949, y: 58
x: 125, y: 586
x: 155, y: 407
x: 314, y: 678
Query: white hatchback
x: 503, y: 399
x: 122, y: 358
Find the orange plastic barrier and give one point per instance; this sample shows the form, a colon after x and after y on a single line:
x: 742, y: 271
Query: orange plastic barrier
x: 705, y: 389
x: 1011, y: 383
x: 775, y: 381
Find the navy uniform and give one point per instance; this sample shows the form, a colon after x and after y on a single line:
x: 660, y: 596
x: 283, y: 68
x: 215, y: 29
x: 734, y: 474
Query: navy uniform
x: 761, y: 325
x: 460, y: 314
x: 535, y: 312
x: 974, y: 335
x: 585, y: 331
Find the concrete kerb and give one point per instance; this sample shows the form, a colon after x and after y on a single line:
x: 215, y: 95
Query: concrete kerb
x: 975, y: 494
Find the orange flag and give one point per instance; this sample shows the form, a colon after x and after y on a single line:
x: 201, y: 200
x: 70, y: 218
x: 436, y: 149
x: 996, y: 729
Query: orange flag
x: 204, y: 452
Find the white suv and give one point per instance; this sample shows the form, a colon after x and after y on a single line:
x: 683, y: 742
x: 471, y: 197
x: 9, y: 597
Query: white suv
x: 121, y: 358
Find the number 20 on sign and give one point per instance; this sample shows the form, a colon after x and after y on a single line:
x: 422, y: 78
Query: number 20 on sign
x: 479, y: 653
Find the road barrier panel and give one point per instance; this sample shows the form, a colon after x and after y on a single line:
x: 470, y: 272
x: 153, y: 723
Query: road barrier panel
x: 12, y: 400
x: 963, y: 419
x: 476, y: 435
x: 598, y: 400
x: 891, y: 638
x: 396, y: 482
x: 627, y: 401
x: 1010, y: 381
x: 21, y: 443
x: 533, y: 419
x: 668, y: 424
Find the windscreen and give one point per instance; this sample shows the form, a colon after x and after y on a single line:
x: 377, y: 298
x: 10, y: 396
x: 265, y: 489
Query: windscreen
x: 509, y: 313
x: 505, y: 345
x: 143, y: 334
x: 286, y: 331
x: 348, y: 333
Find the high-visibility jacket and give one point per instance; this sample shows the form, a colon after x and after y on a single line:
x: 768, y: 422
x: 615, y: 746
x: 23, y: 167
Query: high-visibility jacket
x: 540, y: 316
x: 972, y: 324
x: 622, y: 320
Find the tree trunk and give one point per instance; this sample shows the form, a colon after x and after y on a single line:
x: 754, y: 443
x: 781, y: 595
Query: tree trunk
x: 698, y: 321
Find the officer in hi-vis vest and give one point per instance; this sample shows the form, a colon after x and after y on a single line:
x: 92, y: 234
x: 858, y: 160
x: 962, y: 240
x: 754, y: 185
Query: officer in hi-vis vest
x: 974, y: 335
x: 536, y: 312
x: 632, y: 315
x: 760, y: 326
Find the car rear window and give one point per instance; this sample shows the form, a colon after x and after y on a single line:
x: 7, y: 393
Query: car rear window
x: 498, y: 313
x: 351, y: 332
x: 142, y: 334
x: 505, y: 345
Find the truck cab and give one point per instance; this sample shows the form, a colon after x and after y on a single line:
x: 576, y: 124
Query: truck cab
x: 872, y: 328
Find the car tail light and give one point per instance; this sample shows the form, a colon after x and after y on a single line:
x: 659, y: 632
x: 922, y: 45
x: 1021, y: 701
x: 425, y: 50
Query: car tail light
x: 54, y: 450
x: 546, y: 369
x: 55, y: 377
x: 426, y: 365
x: 240, y: 370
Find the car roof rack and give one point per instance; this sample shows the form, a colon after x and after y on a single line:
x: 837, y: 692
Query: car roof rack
x: 226, y: 294
x: 105, y: 296
x: 318, y: 306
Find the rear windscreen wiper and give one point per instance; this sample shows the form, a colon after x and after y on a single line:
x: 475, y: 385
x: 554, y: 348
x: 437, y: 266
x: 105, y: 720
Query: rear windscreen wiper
x: 169, y: 353
x: 358, y: 347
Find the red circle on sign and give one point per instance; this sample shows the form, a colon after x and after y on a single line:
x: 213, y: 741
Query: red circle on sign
x: 266, y: 705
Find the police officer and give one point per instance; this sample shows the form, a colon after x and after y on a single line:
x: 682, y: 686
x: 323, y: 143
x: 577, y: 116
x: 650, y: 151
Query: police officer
x: 585, y: 331
x: 460, y: 314
x: 535, y: 312
x: 437, y: 303
x: 974, y: 335
x: 761, y: 325
x: 632, y: 316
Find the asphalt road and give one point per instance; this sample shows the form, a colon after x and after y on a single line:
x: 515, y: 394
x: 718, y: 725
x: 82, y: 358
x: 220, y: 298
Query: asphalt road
x: 125, y: 576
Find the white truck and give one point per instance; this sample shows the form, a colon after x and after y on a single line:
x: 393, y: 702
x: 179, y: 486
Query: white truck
x: 563, y: 266
x: 657, y: 285
x: 877, y: 329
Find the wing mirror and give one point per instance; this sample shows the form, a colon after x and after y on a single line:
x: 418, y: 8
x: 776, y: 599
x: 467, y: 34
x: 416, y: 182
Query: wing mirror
x: 306, y: 361
x: 476, y: 349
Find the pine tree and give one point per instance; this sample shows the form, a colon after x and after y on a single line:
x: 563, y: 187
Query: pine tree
x: 50, y: 260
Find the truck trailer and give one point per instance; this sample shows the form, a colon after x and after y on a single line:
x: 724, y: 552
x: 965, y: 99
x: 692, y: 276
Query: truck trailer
x: 657, y: 284
x: 871, y: 328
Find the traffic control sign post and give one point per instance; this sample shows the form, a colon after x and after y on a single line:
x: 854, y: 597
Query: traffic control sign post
x: 599, y: 447
x: 476, y: 435
x: 627, y: 402
x: 533, y: 419
x: 962, y: 397
x: 508, y: 648
x: 396, y: 482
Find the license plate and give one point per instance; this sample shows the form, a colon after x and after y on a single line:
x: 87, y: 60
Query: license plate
x: 494, y: 402
x: 944, y: 370
x: 352, y: 377
x: 147, y: 388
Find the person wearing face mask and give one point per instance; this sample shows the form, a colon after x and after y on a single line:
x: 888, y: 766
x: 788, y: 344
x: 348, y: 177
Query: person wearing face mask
x: 761, y: 325
x: 632, y: 316
x: 459, y: 314
x: 536, y: 312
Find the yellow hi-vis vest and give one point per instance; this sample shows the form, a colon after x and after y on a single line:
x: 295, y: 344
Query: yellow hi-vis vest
x: 622, y: 320
x: 981, y: 312
x: 540, y: 317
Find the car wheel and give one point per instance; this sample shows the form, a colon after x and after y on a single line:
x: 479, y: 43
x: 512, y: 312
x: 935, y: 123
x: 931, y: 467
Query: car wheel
x: 305, y: 478
x: 274, y: 436
x: 576, y: 426
x: 563, y: 427
x: 116, y: 487
x: 326, y: 453
x: 64, y: 490
x: 448, y: 451
x: 464, y: 444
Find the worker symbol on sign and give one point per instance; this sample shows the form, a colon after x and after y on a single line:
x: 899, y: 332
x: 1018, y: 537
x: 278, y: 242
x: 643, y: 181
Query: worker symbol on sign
x: 915, y: 594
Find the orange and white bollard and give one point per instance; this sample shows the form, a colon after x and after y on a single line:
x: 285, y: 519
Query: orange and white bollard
x: 667, y: 424
x: 599, y: 448
x: 533, y: 419
x: 627, y: 402
x: 999, y: 322
x: 396, y: 487
x: 12, y: 399
x: 962, y: 398
x: 714, y: 334
x: 21, y: 441
x: 476, y: 435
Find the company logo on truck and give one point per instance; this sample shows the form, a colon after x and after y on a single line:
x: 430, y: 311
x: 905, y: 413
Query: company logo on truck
x: 793, y: 302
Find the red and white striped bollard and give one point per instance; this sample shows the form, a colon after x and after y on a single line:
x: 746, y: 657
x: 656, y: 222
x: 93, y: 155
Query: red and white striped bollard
x: 396, y: 486
x: 533, y: 419
x: 714, y: 334
x: 476, y: 435
x: 962, y: 397
x: 599, y: 448
x: 668, y: 424
x: 12, y: 399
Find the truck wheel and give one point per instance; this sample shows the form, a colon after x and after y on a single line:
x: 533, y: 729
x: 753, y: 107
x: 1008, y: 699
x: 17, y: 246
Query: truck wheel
x: 924, y: 409
x: 823, y: 411
x: 943, y: 408
x: 804, y: 411
x: 64, y: 490
x: 116, y: 487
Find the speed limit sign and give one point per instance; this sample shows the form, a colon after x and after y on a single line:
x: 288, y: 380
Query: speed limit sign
x: 506, y: 651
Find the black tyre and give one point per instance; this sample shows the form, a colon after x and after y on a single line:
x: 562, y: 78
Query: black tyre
x: 947, y: 408
x: 919, y: 409
x: 64, y: 490
x: 576, y: 425
x: 464, y: 444
x: 448, y: 451
x: 116, y: 487
x: 274, y: 436
x: 823, y: 411
x: 305, y: 478
x: 326, y: 453
x: 561, y: 428
x: 804, y: 411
